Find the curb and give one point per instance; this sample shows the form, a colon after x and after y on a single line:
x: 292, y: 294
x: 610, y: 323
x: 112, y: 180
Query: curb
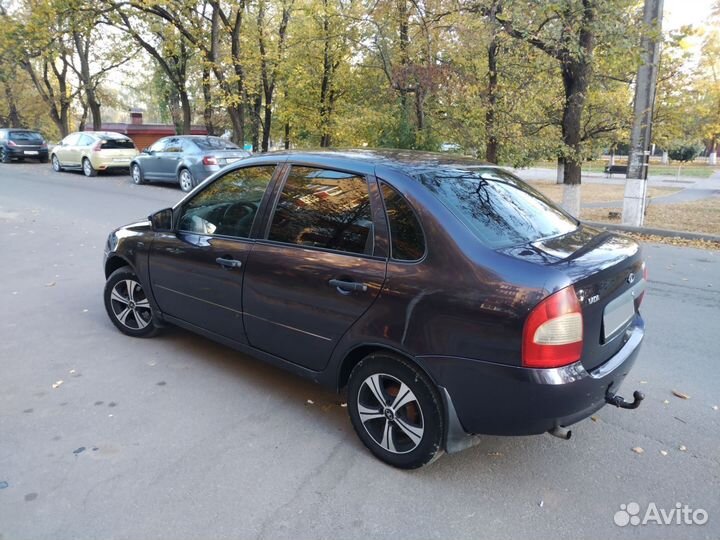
x: 655, y: 232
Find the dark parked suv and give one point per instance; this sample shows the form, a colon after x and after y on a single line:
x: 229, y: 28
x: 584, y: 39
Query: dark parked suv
x: 22, y: 144
x: 445, y: 295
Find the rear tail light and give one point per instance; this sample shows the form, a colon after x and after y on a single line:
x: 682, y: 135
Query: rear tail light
x: 11, y: 143
x: 43, y: 145
x: 553, y: 333
x: 97, y: 146
x: 210, y: 160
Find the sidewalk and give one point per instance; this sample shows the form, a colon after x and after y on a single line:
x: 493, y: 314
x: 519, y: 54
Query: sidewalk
x: 691, y: 188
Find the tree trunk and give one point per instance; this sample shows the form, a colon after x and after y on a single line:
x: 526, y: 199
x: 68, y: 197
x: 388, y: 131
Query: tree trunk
x: 257, y: 108
x: 491, y: 146
x: 207, y: 102
x: 82, y: 47
x: 287, y: 135
x: 560, y: 178
x: 237, y: 119
x: 575, y: 81
x: 325, y: 83
x: 13, y: 116
x: 83, y: 115
x: 186, y: 125
x: 267, y: 125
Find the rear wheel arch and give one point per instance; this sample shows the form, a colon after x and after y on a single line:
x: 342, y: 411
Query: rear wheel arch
x: 354, y: 356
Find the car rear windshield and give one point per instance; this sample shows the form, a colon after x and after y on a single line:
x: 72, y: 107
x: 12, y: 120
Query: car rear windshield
x: 25, y: 136
x: 110, y: 143
x: 499, y: 208
x: 215, y: 143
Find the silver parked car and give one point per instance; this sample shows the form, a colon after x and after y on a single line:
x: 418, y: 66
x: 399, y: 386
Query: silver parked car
x: 185, y: 159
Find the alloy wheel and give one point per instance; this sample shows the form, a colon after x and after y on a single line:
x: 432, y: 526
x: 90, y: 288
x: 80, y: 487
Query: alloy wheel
x: 55, y: 164
x: 186, y: 180
x: 136, y: 174
x: 87, y: 167
x: 390, y: 413
x: 130, y: 305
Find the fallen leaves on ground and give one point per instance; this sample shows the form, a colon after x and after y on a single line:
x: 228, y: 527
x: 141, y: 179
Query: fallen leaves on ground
x: 638, y: 450
x: 681, y: 395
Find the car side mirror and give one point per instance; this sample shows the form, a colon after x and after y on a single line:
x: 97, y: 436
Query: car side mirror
x: 162, y: 220
x: 147, y: 151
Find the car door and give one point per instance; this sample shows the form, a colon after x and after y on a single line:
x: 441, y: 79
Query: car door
x: 169, y: 159
x: 150, y: 160
x: 317, y: 270
x: 80, y: 149
x: 196, y: 272
x: 66, y: 147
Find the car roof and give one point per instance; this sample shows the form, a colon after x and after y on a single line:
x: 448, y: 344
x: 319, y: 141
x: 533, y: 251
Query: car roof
x: 111, y: 134
x: 410, y: 162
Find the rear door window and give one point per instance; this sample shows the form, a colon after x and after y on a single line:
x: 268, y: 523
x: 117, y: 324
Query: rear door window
x: 499, y: 208
x: 229, y: 205
x: 173, y: 145
x: 325, y: 209
x: 85, y: 140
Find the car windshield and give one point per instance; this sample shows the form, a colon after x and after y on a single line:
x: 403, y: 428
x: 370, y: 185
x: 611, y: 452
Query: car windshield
x: 25, y: 136
x: 111, y: 143
x: 499, y: 208
x: 215, y: 143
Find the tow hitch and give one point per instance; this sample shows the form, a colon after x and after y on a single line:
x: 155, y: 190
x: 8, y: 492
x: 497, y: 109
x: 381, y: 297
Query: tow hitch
x: 619, y: 401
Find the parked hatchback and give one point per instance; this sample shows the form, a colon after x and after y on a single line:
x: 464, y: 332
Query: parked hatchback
x: 22, y: 144
x: 184, y: 159
x: 444, y: 296
x: 93, y: 151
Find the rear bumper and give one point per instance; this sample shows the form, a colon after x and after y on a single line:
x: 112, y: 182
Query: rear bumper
x: 497, y: 399
x: 42, y: 153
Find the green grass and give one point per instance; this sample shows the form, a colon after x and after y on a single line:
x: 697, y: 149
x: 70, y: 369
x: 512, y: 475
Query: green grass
x: 696, y: 170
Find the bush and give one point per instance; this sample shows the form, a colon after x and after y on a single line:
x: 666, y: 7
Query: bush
x: 684, y: 153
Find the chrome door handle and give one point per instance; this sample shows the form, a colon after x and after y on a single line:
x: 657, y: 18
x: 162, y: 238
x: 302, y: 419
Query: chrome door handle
x: 228, y: 263
x: 346, y: 287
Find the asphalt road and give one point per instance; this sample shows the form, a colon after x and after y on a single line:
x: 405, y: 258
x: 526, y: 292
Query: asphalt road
x: 176, y: 437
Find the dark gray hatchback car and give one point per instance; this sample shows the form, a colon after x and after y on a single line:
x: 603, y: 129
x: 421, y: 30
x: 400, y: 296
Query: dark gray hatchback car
x: 186, y: 160
x: 445, y: 297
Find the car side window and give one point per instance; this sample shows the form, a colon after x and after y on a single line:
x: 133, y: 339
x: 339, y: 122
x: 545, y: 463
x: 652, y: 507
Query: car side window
x: 85, y: 140
x: 158, y: 146
x: 173, y: 145
x: 407, y: 241
x: 229, y: 205
x: 326, y: 209
x: 71, y: 139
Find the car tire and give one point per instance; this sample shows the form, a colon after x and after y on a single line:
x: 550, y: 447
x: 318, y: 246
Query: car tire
x: 5, y: 156
x: 186, y: 180
x: 396, y: 411
x: 137, y: 174
x: 56, y: 163
x: 88, y: 169
x: 128, y: 305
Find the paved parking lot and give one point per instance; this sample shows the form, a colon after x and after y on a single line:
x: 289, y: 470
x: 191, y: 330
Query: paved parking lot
x: 104, y: 436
